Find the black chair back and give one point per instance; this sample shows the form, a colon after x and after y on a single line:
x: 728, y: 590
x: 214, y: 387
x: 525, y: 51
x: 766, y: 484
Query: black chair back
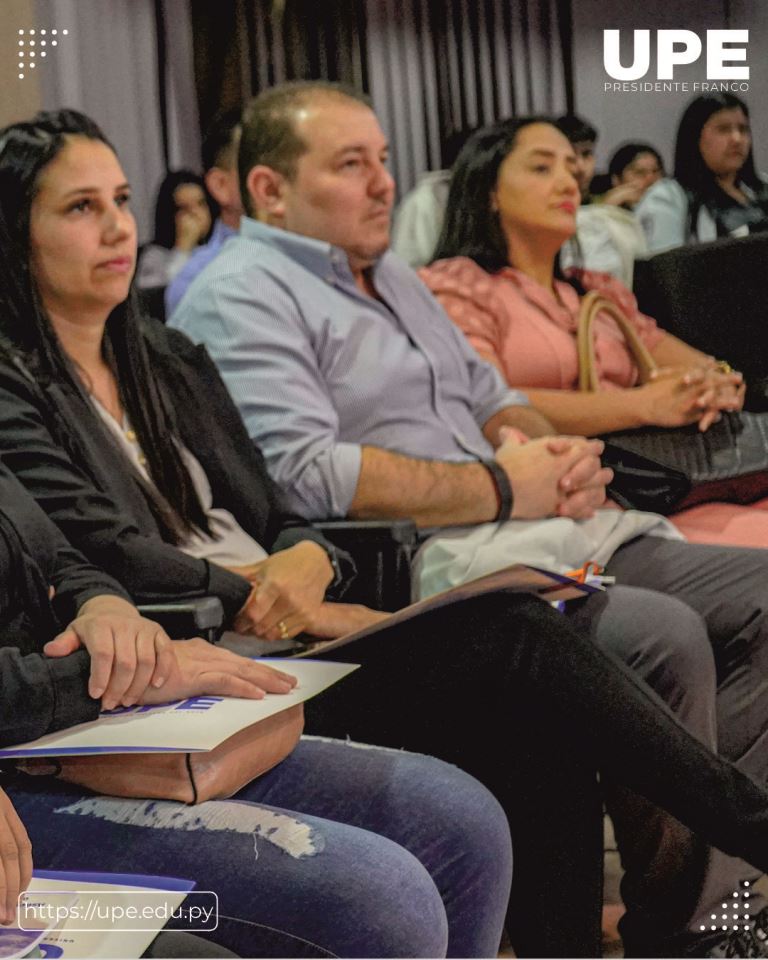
x: 715, y: 297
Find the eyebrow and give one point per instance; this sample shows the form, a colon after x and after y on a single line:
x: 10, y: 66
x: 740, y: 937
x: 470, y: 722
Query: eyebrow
x: 79, y: 190
x: 357, y: 148
x: 550, y: 154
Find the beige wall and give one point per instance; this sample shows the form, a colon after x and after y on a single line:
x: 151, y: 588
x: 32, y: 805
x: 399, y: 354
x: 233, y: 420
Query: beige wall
x: 18, y: 98
x: 654, y: 116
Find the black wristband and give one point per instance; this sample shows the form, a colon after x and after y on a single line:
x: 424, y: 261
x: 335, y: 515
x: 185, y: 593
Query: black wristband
x: 503, y: 489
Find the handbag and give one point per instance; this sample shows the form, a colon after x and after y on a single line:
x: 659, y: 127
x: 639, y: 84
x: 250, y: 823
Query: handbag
x: 666, y: 469
x: 191, y: 777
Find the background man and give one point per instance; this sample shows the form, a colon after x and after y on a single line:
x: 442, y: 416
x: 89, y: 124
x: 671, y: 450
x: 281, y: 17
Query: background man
x: 219, y: 153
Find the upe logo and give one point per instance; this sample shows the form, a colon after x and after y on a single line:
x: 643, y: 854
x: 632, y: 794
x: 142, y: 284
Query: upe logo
x: 676, y: 48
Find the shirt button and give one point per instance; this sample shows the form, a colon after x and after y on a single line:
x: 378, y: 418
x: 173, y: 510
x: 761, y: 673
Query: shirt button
x: 142, y: 460
x: 130, y: 436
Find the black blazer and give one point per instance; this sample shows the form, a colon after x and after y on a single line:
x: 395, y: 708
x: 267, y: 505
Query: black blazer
x: 39, y: 695
x: 53, y: 440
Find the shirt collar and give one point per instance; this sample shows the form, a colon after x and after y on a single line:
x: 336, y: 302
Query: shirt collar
x: 315, y: 255
x: 221, y: 232
x: 325, y: 260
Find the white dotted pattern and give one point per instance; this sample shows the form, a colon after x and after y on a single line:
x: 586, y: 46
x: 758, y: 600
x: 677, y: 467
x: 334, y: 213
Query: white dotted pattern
x: 27, y: 53
x: 742, y: 894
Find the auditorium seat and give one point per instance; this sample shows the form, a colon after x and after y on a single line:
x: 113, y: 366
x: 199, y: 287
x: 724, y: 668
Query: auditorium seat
x: 714, y: 296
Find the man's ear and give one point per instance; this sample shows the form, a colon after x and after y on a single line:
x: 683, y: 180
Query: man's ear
x: 266, y: 189
x: 217, y: 183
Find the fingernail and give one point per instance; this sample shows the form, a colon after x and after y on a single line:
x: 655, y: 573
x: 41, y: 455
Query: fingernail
x: 158, y: 682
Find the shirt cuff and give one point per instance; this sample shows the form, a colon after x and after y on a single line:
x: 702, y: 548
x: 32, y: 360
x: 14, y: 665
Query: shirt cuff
x: 328, y: 484
x: 510, y: 398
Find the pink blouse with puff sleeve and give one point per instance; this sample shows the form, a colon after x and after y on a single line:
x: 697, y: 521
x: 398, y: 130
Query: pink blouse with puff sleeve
x: 528, y: 332
x: 531, y: 337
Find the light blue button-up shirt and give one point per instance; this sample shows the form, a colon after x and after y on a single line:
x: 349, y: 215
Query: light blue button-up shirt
x: 198, y: 259
x: 318, y: 368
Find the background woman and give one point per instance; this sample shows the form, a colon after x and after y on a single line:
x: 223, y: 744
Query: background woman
x: 183, y: 220
x: 513, y: 205
x: 716, y: 190
x: 633, y: 169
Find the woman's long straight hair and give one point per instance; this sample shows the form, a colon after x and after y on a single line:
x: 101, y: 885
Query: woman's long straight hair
x: 692, y: 173
x: 472, y: 227
x: 26, y: 149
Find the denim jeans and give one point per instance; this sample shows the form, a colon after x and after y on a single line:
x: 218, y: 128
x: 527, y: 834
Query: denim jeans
x: 341, y: 850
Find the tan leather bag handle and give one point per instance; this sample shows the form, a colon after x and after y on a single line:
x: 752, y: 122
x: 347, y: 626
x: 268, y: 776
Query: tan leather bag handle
x: 592, y: 304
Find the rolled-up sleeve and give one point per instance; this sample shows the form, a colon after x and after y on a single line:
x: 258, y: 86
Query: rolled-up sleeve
x: 264, y: 352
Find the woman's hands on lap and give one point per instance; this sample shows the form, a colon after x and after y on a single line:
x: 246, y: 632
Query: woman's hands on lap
x: 288, y: 588
x: 133, y: 661
x: 332, y: 620
x: 678, y: 396
x: 204, y: 669
x: 128, y: 652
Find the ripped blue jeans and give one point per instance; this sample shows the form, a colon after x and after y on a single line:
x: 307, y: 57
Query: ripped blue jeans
x: 342, y: 850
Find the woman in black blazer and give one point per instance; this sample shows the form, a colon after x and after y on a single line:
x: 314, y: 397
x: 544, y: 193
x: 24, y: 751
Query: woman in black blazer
x: 119, y: 425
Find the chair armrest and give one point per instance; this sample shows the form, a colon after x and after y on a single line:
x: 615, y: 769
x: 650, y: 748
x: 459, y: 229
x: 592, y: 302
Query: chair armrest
x: 203, y: 617
x: 370, y: 531
x: 382, y: 551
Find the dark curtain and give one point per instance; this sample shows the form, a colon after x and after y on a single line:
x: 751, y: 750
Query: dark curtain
x: 433, y: 67
x: 245, y: 46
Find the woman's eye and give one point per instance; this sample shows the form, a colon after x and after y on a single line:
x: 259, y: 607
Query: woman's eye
x: 122, y: 199
x: 81, y: 206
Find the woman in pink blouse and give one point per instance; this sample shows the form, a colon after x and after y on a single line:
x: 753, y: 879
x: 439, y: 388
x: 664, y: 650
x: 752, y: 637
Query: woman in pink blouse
x: 512, y: 205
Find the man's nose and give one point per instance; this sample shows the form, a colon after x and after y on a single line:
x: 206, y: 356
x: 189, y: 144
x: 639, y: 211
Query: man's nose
x: 381, y: 181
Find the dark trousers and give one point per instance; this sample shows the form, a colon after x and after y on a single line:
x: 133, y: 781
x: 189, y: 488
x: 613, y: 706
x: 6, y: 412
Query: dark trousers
x: 503, y: 686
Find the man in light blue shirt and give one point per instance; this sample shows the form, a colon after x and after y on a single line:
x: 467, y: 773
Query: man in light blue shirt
x: 220, y: 164
x: 367, y: 401
x: 284, y: 308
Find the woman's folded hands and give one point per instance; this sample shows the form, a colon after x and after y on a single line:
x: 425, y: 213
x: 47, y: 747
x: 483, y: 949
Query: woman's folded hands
x: 675, y: 396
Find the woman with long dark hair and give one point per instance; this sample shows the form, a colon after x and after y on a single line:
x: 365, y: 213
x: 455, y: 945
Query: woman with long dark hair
x: 135, y: 447
x: 184, y: 215
x: 513, y: 203
x: 716, y: 190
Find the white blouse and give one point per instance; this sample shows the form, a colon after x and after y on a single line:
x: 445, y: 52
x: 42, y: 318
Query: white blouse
x: 229, y: 545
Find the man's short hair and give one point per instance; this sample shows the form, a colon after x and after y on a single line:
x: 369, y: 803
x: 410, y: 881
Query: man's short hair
x: 269, y: 134
x: 577, y: 129
x: 220, y: 141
